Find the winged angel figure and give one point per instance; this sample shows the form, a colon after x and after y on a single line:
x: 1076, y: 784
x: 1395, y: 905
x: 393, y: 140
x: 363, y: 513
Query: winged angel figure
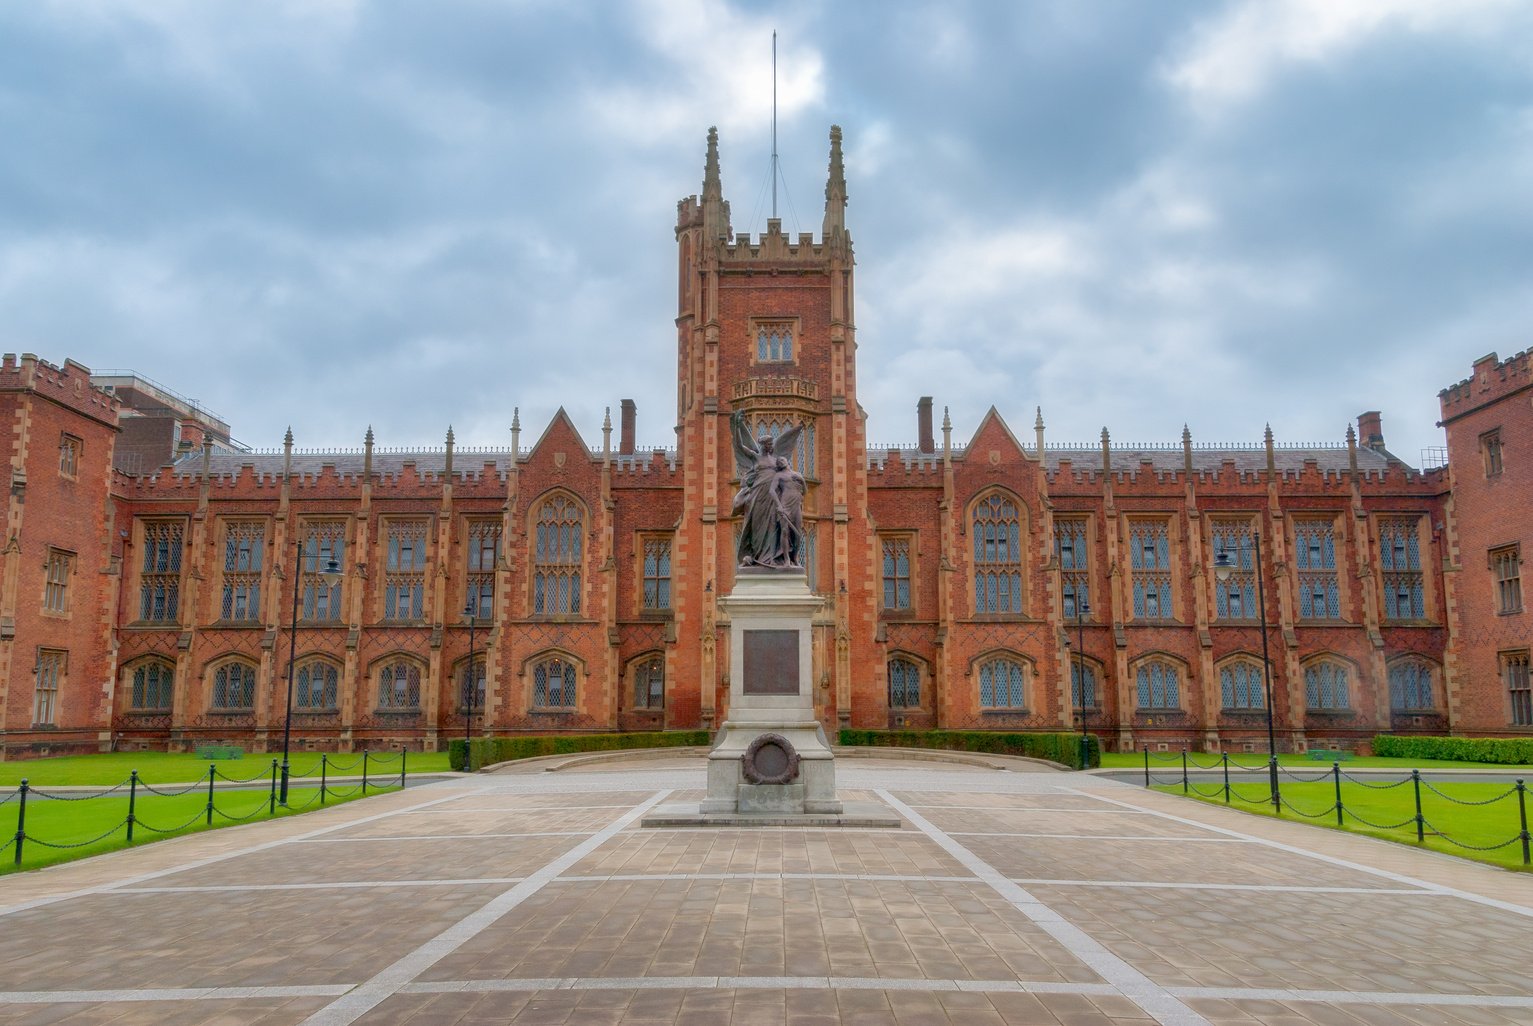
x: 771, y: 498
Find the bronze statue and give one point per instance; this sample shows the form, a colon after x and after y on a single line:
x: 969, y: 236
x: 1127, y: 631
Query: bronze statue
x: 770, y: 499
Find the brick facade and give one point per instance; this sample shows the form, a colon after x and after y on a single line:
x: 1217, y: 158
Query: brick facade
x: 949, y: 569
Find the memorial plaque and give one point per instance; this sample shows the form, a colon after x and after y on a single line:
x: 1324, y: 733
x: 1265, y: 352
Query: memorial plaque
x: 771, y: 663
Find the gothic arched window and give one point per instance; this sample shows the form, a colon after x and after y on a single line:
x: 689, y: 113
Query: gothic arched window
x: 399, y: 686
x: 997, y: 556
x: 1240, y: 685
x: 1083, y: 675
x: 648, y: 683
x: 315, y: 686
x: 1003, y: 684
x: 904, y: 684
x: 234, y: 686
x: 1158, y: 683
x: 558, y: 535
x: 774, y: 343
x: 153, y: 686
x: 553, y: 683
x: 1326, y: 685
x: 1410, y: 686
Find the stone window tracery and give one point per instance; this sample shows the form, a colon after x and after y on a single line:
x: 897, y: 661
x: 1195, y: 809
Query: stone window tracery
x: 323, y: 541
x: 483, y: 556
x: 244, y: 545
x: 399, y: 686
x: 1158, y: 685
x: 404, y: 577
x: 904, y: 684
x: 1315, y: 560
x: 558, y: 539
x: 56, y: 581
x: 997, y: 556
x: 1410, y: 686
x: 1519, y: 686
x: 896, y: 571
x: 50, y: 671
x: 553, y: 683
x: 1327, y: 686
x: 160, y: 575
x: 1074, y: 580
x: 649, y: 683
x: 316, y: 686
x: 656, y: 572
x: 1150, y: 566
x: 1003, y: 684
x: 1506, y: 568
x: 1083, y: 675
x: 1241, y: 686
x: 234, y: 686
x: 471, y: 683
x: 152, y: 687
x: 774, y: 342
x: 1400, y: 558
x: 1235, y: 599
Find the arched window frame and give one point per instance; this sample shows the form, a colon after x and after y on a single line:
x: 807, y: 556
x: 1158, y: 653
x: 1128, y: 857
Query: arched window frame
x: 328, y: 674
x: 1328, y: 684
x: 232, y: 685
x: 554, y: 679
x: 1241, y: 685
x: 907, y: 678
x: 1095, y: 674
x: 397, y: 680
x: 1003, y: 681
x: 1411, y: 678
x: 997, y: 521
x: 1158, y: 683
x: 646, y: 681
x: 557, y: 546
x: 466, y: 672
x: 150, y: 685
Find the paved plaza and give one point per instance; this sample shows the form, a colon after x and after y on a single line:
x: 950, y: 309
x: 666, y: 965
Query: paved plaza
x: 1015, y: 895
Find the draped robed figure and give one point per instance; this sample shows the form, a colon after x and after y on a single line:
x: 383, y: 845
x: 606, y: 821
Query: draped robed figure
x: 770, y: 499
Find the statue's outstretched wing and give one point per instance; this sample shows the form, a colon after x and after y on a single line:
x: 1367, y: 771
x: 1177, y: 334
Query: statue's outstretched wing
x: 744, y: 445
x: 786, y: 444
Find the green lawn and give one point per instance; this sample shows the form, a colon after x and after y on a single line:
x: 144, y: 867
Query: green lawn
x: 171, y: 768
x: 1162, y: 763
x: 1391, y: 812
x: 96, y: 825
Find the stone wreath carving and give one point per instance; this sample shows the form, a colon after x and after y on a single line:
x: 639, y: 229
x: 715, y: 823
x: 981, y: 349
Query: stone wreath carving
x: 770, y: 759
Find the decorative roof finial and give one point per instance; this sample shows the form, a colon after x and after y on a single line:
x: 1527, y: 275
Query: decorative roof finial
x: 835, y: 187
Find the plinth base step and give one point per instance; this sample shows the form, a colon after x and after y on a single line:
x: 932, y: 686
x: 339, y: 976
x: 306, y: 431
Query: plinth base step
x: 852, y: 814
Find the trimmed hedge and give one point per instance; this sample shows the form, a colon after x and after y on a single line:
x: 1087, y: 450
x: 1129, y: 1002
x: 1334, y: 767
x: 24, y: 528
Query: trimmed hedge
x: 487, y: 751
x: 1505, y: 750
x: 1061, y: 747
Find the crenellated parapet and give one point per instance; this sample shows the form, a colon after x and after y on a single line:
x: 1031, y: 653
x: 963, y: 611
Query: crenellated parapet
x: 1493, y: 380
x: 69, y: 386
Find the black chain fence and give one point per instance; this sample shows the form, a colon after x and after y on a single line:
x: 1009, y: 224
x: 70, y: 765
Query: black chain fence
x: 379, y: 772
x: 1183, y: 763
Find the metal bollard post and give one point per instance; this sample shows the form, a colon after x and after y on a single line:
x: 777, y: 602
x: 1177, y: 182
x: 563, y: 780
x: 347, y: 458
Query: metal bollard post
x: 271, y: 810
x: 1146, y: 765
x: 402, y: 754
x: 132, y: 801
x: 1336, y: 775
x: 324, y: 766
x: 21, y: 822
x: 1184, y: 771
x: 1272, y: 777
x: 211, y: 771
x: 1225, y: 758
x: 364, y: 773
x: 1421, y: 826
x: 1523, y: 815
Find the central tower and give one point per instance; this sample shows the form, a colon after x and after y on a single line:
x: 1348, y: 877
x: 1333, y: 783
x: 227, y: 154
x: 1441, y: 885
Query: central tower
x: 764, y: 325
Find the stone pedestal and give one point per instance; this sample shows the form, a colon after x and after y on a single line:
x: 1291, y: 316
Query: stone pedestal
x: 771, y: 691
x: 771, y: 763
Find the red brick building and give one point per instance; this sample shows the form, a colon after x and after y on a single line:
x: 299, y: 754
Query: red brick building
x: 952, y: 570
x: 1489, y: 419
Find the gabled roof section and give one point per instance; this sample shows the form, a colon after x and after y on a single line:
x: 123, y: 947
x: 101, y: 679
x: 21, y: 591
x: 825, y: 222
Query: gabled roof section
x: 993, y: 424
x: 560, y: 430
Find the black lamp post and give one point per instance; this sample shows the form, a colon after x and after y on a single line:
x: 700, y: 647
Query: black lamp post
x: 1082, y: 607
x: 329, y: 576
x: 1224, y: 568
x: 470, y: 680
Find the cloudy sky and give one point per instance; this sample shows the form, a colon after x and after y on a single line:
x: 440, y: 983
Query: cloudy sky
x: 348, y: 212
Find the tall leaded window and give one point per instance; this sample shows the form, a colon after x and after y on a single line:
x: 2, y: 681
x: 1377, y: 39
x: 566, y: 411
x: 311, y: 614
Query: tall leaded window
x: 1158, y: 685
x: 316, y: 686
x: 483, y: 556
x: 159, y: 582
x: 69, y: 456
x: 557, y: 545
x: 323, y: 541
x: 997, y: 556
x: 1519, y: 686
x: 1235, y: 599
x: 153, y: 687
x: 1083, y: 680
x: 56, y: 581
x: 1490, y: 452
x: 904, y: 684
x: 244, y: 542
x: 801, y: 458
x: 50, y: 671
x: 774, y: 342
x: 1240, y: 685
x: 896, y: 571
x: 1410, y: 686
x: 1070, y: 547
x: 1400, y: 557
x: 657, y: 572
x: 399, y: 686
x: 648, y: 683
x: 553, y: 684
x: 234, y: 685
x: 471, y: 683
x: 1506, y: 568
x: 1326, y: 685
x: 811, y: 554
x: 1314, y: 551
x: 404, y: 572
x: 1150, y: 563
x: 1003, y: 684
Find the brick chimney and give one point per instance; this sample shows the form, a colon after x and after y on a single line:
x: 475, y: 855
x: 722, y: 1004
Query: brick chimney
x: 924, y: 424
x: 1370, y: 429
x: 625, y: 440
